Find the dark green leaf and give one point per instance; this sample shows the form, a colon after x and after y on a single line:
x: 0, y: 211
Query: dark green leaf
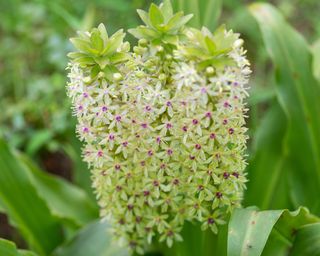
x: 24, y: 206
x: 38, y: 139
x: 210, y: 11
x: 64, y: 199
x: 298, y: 94
x: 307, y: 241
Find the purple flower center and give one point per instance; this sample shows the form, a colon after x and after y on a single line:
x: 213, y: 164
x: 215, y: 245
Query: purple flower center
x: 218, y: 194
x: 195, y: 121
x: 200, y: 187
x: 170, y: 233
x: 117, y: 166
x: 146, y: 192
x: 225, y: 121
x: 118, y: 188
x: 226, y: 175
x: 150, y: 153
x: 111, y: 137
x: 203, y: 90
x: 85, y: 95
x: 142, y: 163
x: 185, y: 128
x: 104, y: 109
x: 169, y: 125
x: 156, y: 183
x: 125, y: 143
x: 208, y: 114
x: 231, y: 131
x: 158, y: 140
x: 100, y: 153
x: 130, y: 207
x: 212, y: 136
x: 169, y: 152
x: 198, y: 146
x: 85, y: 129
x: 175, y: 182
x: 144, y: 125
x: 192, y: 157
x: 80, y: 107
x: 235, y: 174
x: 148, y: 108
x: 118, y: 118
x: 169, y: 104
x: 226, y: 104
x: 162, y: 166
x: 210, y: 221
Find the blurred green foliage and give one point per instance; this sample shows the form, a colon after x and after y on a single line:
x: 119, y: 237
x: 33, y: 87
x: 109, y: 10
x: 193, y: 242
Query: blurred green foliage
x: 284, y: 169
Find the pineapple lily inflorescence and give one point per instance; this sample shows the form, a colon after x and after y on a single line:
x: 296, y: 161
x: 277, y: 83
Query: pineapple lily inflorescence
x: 163, y: 125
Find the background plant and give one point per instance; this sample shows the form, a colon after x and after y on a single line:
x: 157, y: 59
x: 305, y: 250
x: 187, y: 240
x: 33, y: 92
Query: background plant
x: 284, y: 131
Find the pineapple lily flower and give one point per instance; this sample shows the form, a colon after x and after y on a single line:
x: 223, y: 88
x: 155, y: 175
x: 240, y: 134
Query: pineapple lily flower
x: 163, y: 125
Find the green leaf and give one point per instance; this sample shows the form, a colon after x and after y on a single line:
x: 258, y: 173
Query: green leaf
x: 316, y: 59
x: 249, y: 229
x: 83, y: 45
x: 103, y: 32
x: 119, y: 57
x: 210, y: 45
x: 65, y: 200
x: 143, y: 32
x: 8, y: 248
x: 298, y: 93
x: 268, y: 180
x: 114, y: 42
x: 307, y: 241
x: 211, y: 10
x: 24, y: 206
x: 178, y: 20
x: 93, y: 239
x: 144, y: 16
x: 96, y: 40
x: 155, y: 16
x: 166, y: 9
x: 38, y: 139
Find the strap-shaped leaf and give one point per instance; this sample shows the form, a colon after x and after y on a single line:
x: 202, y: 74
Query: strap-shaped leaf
x: 64, y: 199
x: 298, y: 93
x: 307, y: 241
x: 25, y: 207
x: 249, y: 229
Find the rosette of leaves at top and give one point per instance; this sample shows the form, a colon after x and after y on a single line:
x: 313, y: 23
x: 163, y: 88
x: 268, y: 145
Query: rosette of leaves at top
x: 163, y: 126
x: 162, y: 26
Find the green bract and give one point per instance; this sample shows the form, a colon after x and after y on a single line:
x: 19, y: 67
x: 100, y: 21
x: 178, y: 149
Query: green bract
x: 163, y: 125
x: 162, y: 26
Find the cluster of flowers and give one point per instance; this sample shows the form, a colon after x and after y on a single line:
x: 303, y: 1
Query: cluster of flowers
x: 163, y: 125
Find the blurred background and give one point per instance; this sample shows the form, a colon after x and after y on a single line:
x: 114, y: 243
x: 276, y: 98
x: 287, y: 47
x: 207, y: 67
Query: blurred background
x: 35, y: 112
